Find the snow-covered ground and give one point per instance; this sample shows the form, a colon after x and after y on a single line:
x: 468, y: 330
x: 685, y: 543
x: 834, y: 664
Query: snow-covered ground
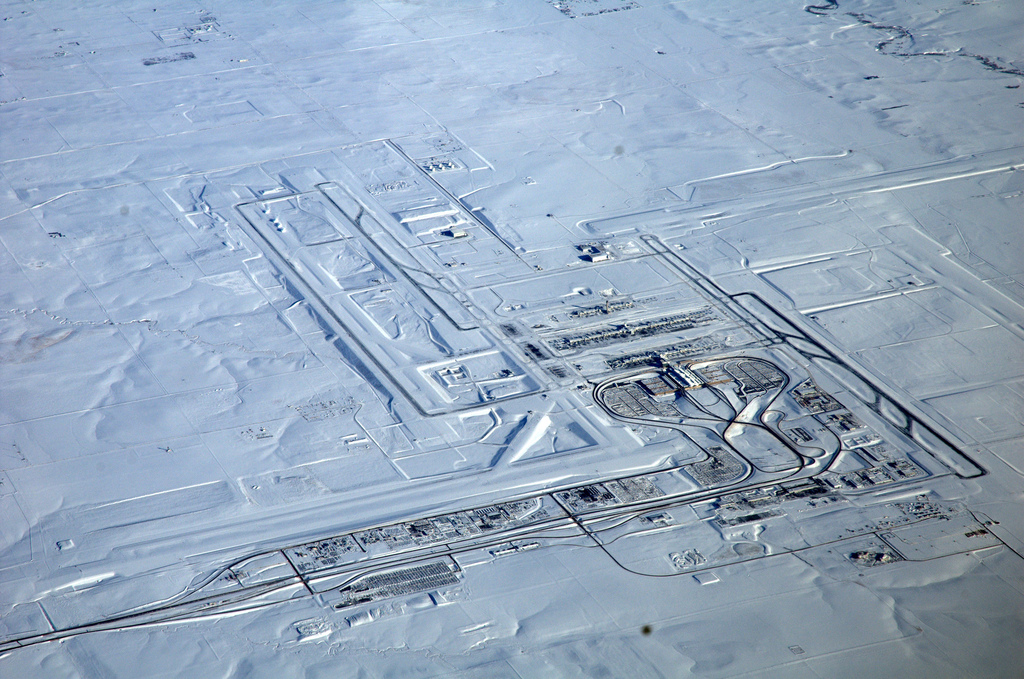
x: 522, y: 338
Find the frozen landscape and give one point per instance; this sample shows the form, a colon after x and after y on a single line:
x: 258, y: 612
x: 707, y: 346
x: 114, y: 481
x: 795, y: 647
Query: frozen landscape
x: 512, y: 338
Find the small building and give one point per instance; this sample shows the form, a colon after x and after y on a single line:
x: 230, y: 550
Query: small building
x: 452, y: 375
x: 594, y: 252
